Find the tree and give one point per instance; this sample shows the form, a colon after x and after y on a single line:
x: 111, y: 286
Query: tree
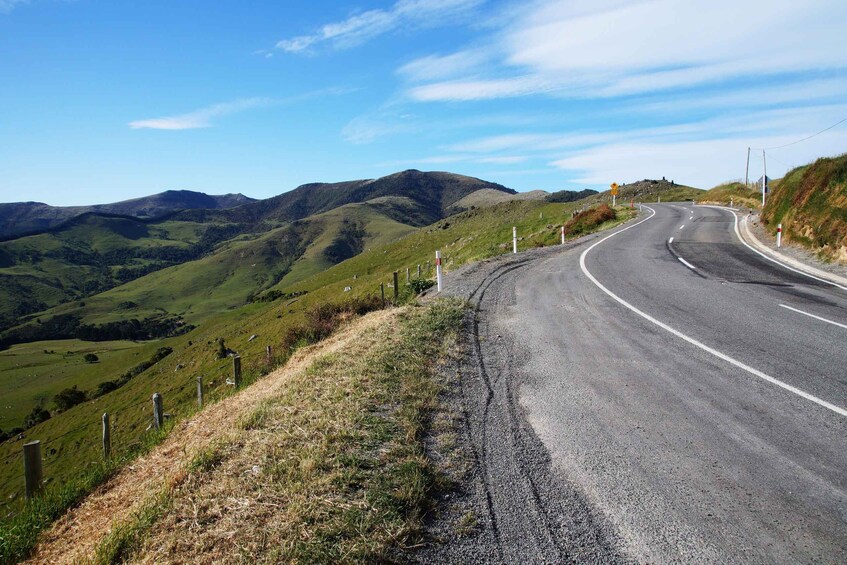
x: 91, y: 358
x: 69, y: 398
x: 37, y: 416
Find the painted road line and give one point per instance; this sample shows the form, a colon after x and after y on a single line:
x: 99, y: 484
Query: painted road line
x: 771, y: 259
x: 682, y: 226
x: 687, y: 264
x: 813, y: 316
x: 755, y: 372
x: 670, y: 241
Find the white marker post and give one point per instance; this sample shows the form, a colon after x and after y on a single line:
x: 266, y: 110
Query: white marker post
x: 779, y: 235
x: 563, y: 235
x: 514, y: 239
x: 438, y: 275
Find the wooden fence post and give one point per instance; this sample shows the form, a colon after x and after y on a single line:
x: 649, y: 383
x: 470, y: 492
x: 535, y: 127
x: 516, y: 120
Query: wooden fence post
x: 269, y: 353
x: 107, y: 437
x: 382, y: 293
x: 396, y: 288
x: 408, y: 275
x: 158, y: 411
x: 236, y: 370
x: 33, y: 477
x: 419, y: 270
x: 200, y: 393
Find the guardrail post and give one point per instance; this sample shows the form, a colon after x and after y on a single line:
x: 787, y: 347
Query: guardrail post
x: 33, y: 475
x: 158, y: 411
x: 439, y: 278
x: 236, y: 370
x: 107, y: 437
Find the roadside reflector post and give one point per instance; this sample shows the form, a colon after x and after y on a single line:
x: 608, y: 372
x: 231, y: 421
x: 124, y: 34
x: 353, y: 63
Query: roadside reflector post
x: 158, y: 411
x: 659, y: 200
x: 33, y: 475
x: 632, y: 203
x: 107, y: 437
x: 514, y: 239
x: 438, y: 274
x: 779, y: 235
x: 236, y: 371
x: 563, y: 235
x: 199, y: 393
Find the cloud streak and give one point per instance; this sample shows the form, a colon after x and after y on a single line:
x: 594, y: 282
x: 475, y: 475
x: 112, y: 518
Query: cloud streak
x: 7, y: 6
x: 363, y: 26
x: 203, y: 117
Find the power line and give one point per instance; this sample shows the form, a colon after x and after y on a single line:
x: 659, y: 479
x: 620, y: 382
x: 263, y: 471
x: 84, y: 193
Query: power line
x: 804, y: 139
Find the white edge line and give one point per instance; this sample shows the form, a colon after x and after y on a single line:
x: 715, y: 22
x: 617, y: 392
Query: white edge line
x: 771, y: 259
x: 691, y: 340
x: 687, y: 264
x: 814, y: 316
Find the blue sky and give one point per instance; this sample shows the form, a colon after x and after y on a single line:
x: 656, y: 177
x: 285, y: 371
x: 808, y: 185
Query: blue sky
x: 102, y: 100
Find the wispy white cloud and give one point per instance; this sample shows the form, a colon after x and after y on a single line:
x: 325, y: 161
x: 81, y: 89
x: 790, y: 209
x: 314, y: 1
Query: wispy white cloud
x: 617, y: 48
x: 360, y: 27
x: 7, y: 6
x: 203, y: 117
x: 440, y: 67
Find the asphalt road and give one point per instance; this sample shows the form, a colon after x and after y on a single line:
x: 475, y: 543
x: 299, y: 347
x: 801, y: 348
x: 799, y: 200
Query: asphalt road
x: 690, y: 398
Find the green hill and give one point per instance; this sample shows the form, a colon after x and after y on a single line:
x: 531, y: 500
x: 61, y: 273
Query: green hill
x: 19, y: 218
x: 811, y: 204
x: 94, y: 252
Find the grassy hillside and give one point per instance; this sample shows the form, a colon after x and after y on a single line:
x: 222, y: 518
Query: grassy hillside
x: 811, y: 204
x: 93, y: 253
x: 468, y: 236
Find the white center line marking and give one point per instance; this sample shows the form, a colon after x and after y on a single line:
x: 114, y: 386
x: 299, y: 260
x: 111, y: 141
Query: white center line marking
x: 670, y: 240
x: 813, y: 316
x: 686, y: 263
x: 755, y: 372
x: 682, y: 226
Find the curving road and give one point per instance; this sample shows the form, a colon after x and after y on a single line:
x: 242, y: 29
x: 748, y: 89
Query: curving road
x: 692, y: 394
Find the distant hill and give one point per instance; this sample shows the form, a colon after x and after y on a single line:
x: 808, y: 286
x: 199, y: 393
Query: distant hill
x: 289, y: 236
x: 490, y: 197
x: 570, y: 195
x: 18, y: 218
x: 432, y: 194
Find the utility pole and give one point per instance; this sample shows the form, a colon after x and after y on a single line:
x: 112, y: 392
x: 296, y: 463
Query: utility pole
x: 764, y: 178
x: 747, y: 172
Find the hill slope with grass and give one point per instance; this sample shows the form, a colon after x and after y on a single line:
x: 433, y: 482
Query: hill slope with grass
x: 18, y: 218
x: 93, y: 252
x: 811, y: 204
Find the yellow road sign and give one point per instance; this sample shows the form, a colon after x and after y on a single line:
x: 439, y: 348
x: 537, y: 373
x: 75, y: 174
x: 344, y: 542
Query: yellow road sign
x: 614, y: 189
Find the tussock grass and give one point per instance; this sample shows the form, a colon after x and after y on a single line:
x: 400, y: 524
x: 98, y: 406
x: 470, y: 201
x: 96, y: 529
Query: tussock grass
x: 589, y: 220
x: 735, y: 192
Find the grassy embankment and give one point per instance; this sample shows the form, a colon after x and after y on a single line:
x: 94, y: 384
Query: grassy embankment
x: 320, y: 461
x: 811, y: 204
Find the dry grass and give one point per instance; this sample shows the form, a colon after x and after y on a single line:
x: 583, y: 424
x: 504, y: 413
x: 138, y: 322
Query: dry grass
x: 75, y: 536
x: 319, y: 462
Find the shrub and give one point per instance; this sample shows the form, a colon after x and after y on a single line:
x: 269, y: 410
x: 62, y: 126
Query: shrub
x: 589, y: 219
x: 69, y: 398
x: 322, y: 320
x: 37, y: 416
x: 91, y: 358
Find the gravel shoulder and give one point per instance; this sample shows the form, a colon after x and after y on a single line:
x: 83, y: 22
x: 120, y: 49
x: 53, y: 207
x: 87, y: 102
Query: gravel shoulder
x: 509, y: 505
